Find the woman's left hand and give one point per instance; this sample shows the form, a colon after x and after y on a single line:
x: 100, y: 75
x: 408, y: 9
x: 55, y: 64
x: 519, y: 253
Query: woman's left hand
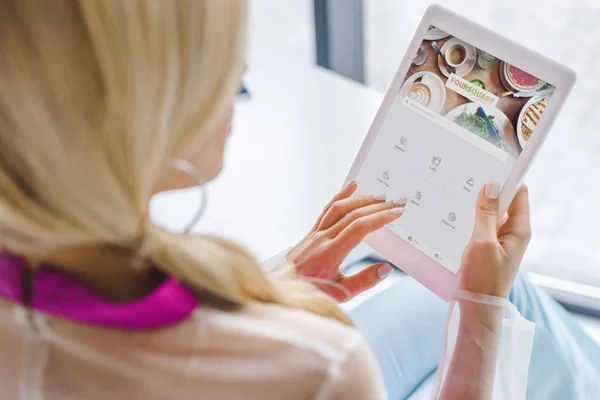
x: 343, y: 224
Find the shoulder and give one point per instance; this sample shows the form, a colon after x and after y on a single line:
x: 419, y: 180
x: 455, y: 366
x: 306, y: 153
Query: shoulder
x: 319, y: 357
x: 280, y: 326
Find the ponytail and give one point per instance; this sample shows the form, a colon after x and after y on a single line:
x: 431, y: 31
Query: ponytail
x: 225, y: 276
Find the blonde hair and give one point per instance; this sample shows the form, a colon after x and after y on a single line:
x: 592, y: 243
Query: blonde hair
x: 96, y: 98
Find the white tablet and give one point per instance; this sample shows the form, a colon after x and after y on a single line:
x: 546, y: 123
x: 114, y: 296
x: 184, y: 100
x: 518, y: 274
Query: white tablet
x: 466, y: 107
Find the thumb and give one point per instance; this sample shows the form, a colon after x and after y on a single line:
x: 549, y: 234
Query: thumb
x: 486, y: 215
x: 366, y: 279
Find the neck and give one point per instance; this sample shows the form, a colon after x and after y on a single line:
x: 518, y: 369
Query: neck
x: 105, y: 269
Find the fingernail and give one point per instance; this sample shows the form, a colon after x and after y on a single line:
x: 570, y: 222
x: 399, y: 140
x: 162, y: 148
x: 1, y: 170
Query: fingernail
x: 384, y: 271
x: 400, y: 202
x: 397, y: 210
x: 380, y: 197
x: 491, y: 191
x: 350, y: 184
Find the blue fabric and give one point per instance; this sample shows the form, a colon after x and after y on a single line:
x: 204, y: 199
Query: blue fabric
x: 405, y: 325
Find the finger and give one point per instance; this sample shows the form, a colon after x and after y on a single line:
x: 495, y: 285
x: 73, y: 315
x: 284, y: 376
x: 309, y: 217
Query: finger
x: 363, y: 211
x: 518, y: 211
x: 503, y: 220
x: 332, y: 287
x: 366, y: 279
x: 343, y: 194
x: 341, y: 208
x: 486, y: 214
x: 356, y: 231
x: 518, y: 221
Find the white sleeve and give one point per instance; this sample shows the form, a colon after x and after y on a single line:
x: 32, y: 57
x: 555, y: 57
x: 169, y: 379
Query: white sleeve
x: 278, y: 262
x: 486, y: 352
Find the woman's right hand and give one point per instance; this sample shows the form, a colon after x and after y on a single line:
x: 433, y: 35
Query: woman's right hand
x: 492, y: 257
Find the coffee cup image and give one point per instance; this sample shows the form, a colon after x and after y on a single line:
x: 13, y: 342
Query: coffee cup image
x: 456, y: 55
x: 420, y: 91
x: 424, y: 88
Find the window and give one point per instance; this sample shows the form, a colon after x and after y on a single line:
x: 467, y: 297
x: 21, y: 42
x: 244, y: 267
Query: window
x: 280, y: 32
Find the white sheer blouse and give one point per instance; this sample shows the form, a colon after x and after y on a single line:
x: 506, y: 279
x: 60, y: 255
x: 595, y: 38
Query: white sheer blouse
x: 261, y: 352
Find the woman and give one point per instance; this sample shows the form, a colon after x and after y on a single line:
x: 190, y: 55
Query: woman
x: 103, y: 104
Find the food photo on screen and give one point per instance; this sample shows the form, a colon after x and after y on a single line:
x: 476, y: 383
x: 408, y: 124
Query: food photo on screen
x: 496, y: 101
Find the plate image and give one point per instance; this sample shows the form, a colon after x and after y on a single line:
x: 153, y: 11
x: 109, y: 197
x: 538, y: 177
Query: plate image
x: 530, y: 116
x: 426, y: 88
x: 467, y: 66
x: 517, y: 80
x: 508, y: 139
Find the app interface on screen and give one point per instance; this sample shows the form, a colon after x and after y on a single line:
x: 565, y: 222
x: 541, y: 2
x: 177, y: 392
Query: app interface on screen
x: 475, y: 114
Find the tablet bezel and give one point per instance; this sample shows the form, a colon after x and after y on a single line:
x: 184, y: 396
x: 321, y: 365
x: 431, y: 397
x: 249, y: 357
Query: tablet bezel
x: 411, y: 260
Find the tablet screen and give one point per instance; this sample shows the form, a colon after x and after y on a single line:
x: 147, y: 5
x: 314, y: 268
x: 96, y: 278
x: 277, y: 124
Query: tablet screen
x: 460, y: 120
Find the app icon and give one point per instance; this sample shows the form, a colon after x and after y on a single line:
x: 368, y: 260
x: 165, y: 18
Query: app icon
x: 403, y: 141
x: 418, y: 195
x: 386, y: 175
x: 452, y: 217
x: 436, y: 161
x: 471, y: 182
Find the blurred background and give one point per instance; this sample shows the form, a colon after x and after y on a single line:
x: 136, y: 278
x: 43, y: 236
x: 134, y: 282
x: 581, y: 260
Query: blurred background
x: 365, y: 40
